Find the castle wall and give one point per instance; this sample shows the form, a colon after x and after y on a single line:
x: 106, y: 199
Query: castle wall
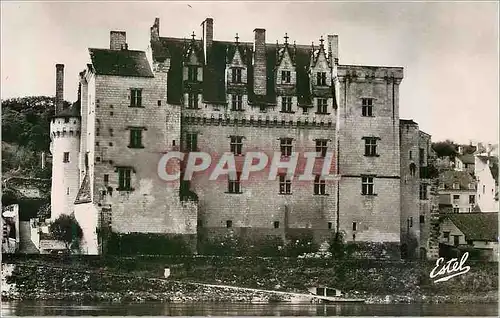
x: 260, y: 204
x: 152, y: 206
x: 379, y: 213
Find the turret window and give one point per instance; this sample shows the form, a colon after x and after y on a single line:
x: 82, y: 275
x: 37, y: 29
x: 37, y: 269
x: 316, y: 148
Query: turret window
x: 66, y: 157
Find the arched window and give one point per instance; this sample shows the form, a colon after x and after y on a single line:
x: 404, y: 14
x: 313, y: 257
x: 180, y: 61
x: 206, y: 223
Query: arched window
x: 413, y: 169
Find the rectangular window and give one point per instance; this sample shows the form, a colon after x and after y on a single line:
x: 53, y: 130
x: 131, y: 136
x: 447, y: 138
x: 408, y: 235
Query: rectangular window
x: 330, y: 225
x: 136, y: 138
x: 229, y: 223
x: 456, y: 210
x: 370, y: 146
x: 192, y: 142
x: 456, y: 197
x: 319, y: 185
x: 106, y: 178
x: 321, y: 147
x: 236, y: 102
x: 286, y: 146
x: 192, y: 73
x: 411, y: 155
x: 456, y: 186
x: 286, y: 104
x: 135, y: 97
x: 354, y: 226
x: 322, y: 105
x: 124, y: 178
x: 367, y: 107
x: 423, y: 191
x: 422, y: 219
x: 472, y: 199
x: 285, y: 184
x: 286, y: 76
x: 456, y: 240
x: 276, y: 224
x: 236, y: 144
x: 421, y: 156
x: 410, y: 221
x: 66, y: 157
x: 321, y: 79
x: 192, y: 101
x: 236, y: 75
x: 234, y: 186
x: 446, y: 236
x: 367, y: 185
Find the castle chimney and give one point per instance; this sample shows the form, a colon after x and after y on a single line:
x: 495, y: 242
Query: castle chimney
x: 155, y: 30
x: 259, y: 62
x: 117, y: 40
x: 59, y: 88
x: 333, y: 48
x: 208, y: 36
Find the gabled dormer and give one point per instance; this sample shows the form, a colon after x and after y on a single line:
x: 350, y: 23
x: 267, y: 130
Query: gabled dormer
x: 192, y: 62
x: 236, y: 68
x: 285, y: 64
x: 320, y: 68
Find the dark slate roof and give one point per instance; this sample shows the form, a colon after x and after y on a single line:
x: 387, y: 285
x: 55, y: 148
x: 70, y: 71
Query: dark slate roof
x: 120, y: 62
x: 84, y: 194
x: 407, y: 122
x: 222, y: 52
x: 482, y: 226
x: 449, y: 177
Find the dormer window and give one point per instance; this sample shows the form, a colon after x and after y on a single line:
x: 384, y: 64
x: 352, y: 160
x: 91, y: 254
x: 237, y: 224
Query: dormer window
x: 236, y: 102
x: 321, y: 79
x: 286, y: 104
x: 192, y: 73
x: 192, y: 101
x: 286, y: 77
x: 236, y: 75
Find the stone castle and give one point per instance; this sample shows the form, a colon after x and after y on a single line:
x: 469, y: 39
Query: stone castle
x: 230, y: 96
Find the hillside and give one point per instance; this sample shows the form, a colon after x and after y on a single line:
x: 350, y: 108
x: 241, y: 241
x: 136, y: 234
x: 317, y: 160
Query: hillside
x: 25, y: 136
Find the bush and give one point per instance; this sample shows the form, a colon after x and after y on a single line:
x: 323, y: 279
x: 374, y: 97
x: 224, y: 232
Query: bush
x: 300, y: 244
x: 66, y: 229
x: 146, y: 244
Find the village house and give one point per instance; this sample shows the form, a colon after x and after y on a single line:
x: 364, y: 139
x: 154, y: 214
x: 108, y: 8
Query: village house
x: 486, y: 171
x: 231, y: 96
x: 457, y: 192
x: 477, y: 230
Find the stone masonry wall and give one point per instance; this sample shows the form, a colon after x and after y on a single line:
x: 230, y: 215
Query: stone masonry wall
x: 154, y: 205
x: 379, y: 215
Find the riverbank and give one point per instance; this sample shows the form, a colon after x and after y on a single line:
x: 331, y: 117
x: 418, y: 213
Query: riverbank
x: 139, y: 280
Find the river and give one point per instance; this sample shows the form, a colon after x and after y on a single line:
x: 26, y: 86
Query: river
x: 59, y: 308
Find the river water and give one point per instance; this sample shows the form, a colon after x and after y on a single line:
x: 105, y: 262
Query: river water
x: 59, y: 308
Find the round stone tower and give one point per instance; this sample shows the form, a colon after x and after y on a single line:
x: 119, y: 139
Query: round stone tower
x: 65, y: 147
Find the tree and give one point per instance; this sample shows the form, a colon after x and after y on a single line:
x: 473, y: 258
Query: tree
x: 66, y: 229
x: 445, y: 148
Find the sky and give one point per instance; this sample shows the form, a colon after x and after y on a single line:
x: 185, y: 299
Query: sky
x: 449, y: 50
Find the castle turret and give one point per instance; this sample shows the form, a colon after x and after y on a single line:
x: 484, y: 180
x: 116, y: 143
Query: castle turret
x: 65, y: 147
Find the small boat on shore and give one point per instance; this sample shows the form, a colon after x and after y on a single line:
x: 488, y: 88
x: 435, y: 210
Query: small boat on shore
x: 333, y: 295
